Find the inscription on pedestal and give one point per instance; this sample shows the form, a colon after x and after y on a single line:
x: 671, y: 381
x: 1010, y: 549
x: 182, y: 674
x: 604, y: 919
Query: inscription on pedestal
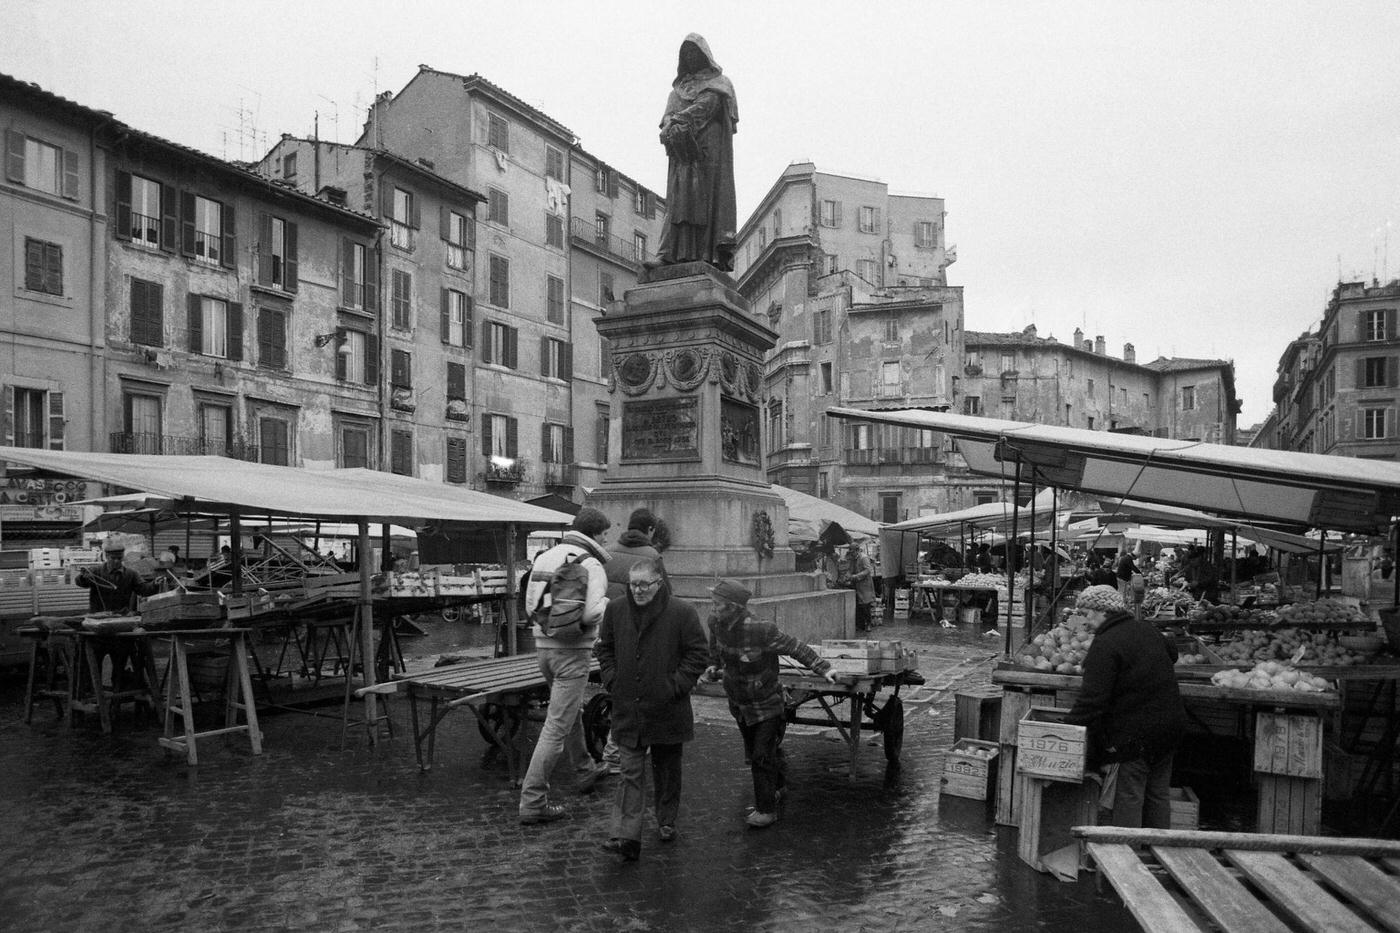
x: 738, y: 431
x: 662, y: 429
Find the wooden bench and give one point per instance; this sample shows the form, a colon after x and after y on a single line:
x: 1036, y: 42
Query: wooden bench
x: 1178, y: 881
x: 498, y: 691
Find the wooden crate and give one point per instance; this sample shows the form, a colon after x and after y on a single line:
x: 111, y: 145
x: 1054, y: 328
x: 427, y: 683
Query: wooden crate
x: 977, y: 716
x: 968, y: 768
x: 1015, y: 702
x: 1288, y: 744
x: 1050, y: 810
x: 1046, y: 747
x: 1186, y: 809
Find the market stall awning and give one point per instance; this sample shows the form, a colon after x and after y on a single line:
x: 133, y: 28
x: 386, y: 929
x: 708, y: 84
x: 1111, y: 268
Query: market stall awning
x: 221, y: 484
x: 1317, y: 490
x: 808, y: 516
x: 1174, y: 517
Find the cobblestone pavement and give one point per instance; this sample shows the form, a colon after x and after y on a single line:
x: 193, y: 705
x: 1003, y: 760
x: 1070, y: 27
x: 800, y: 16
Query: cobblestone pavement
x: 106, y: 833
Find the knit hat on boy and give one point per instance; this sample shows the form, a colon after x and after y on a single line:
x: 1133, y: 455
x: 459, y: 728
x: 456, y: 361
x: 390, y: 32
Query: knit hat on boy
x: 1104, y: 598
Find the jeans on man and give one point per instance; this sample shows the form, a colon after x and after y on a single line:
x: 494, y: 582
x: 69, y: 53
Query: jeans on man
x: 763, y: 748
x: 629, y: 804
x: 566, y: 672
x: 1143, y: 798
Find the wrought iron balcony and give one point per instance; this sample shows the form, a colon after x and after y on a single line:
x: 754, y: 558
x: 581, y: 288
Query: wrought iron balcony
x: 599, y: 238
x: 560, y: 474
x: 125, y: 442
x: 507, y: 473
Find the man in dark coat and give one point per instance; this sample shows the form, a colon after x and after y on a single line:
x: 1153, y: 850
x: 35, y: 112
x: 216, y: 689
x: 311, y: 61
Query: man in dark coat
x: 113, y: 587
x: 1132, y: 707
x: 651, y: 650
x: 698, y: 132
x: 634, y: 545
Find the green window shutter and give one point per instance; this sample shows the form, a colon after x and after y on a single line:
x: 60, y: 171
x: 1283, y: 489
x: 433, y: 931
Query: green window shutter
x: 70, y: 174
x: 544, y: 444
x: 372, y: 280
x: 486, y: 342
x: 544, y: 357
x: 568, y: 445
x: 289, y: 268
x: 14, y: 156
x: 187, y: 223
x: 415, y: 212
x: 169, y: 216
x: 566, y: 361
x: 123, y: 231
x: 468, y: 314
x: 228, y: 258
x: 512, y: 438
x: 485, y: 435
x: 56, y: 421
x: 445, y: 315
x: 196, y: 323
x: 512, y: 349
x: 235, y: 330
x: 347, y: 278
x: 372, y: 359
x: 264, y: 249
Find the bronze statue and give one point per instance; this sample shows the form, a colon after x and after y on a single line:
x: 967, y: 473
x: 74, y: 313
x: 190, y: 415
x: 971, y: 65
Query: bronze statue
x: 697, y: 131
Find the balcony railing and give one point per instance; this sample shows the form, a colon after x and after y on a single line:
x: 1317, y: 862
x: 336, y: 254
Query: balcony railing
x: 144, y: 229
x: 889, y: 391
x: 511, y: 473
x: 207, y: 245
x: 859, y: 457
x: 921, y: 454
x: 561, y: 474
x: 600, y: 238
x: 400, y: 234
x: 124, y: 442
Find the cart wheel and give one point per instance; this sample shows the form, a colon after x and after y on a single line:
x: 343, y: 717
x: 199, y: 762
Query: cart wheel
x: 496, y: 724
x: 451, y: 613
x: 891, y: 719
x: 597, y: 721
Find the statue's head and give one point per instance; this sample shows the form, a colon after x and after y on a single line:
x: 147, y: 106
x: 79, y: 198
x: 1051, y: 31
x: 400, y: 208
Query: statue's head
x: 695, y: 55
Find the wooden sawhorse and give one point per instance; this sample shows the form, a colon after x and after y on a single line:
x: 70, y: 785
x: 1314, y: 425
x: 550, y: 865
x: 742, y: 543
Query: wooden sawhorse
x: 238, y: 690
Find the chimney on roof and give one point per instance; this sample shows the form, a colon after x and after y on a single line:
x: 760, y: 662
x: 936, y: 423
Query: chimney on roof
x: 1099, y: 347
x: 1078, y: 338
x: 1129, y: 354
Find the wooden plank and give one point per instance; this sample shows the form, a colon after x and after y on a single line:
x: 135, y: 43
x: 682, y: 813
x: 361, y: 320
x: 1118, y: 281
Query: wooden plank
x: 1377, y: 892
x: 1296, y: 893
x: 1014, y: 705
x: 1219, y: 893
x: 1388, y: 849
x: 1146, y: 899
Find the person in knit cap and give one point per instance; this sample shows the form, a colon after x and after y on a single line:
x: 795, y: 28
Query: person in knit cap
x: 1130, y: 703
x: 744, y: 651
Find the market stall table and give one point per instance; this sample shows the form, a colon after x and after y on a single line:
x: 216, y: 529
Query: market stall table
x: 1177, y: 881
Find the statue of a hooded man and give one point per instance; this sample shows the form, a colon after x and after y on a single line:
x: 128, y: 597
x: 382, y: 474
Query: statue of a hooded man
x: 698, y: 133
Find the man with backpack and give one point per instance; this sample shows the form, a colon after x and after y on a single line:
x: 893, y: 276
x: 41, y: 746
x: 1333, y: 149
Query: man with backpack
x: 566, y: 598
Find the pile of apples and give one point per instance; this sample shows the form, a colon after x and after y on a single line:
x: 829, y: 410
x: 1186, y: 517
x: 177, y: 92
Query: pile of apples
x: 1316, y: 648
x: 1271, y: 675
x: 1322, y: 612
x: 1060, y: 650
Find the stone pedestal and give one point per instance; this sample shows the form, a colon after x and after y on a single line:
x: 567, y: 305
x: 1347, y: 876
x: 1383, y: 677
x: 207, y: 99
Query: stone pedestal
x: 687, y: 380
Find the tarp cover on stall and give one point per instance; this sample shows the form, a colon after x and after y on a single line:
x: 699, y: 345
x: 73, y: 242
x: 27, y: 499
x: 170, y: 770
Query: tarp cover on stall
x: 899, y: 543
x: 1316, y: 490
x: 808, y: 516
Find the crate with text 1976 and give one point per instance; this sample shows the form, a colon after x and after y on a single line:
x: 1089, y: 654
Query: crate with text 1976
x: 1047, y: 747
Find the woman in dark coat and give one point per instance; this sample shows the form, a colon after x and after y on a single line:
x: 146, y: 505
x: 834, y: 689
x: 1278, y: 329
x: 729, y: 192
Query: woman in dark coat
x: 651, y: 650
x: 698, y: 133
x: 1132, y: 707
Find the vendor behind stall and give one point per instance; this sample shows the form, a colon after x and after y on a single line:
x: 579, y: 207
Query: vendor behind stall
x: 113, y: 587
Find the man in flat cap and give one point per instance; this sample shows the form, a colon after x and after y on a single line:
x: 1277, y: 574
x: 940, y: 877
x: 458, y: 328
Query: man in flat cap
x: 744, y: 651
x: 113, y: 587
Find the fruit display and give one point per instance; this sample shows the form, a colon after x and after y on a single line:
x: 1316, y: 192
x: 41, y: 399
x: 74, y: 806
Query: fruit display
x: 1060, y: 650
x: 1271, y: 675
x: 1161, y: 600
x: 1329, y: 612
x: 988, y: 580
x: 1191, y: 659
x: 1232, y: 616
x: 1316, y: 648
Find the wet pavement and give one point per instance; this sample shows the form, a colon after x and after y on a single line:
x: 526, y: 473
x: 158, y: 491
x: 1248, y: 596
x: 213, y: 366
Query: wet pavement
x: 107, y: 833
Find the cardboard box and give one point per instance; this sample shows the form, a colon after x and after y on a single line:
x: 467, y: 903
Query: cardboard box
x: 1048, y: 748
x: 968, y: 769
x: 1186, y: 809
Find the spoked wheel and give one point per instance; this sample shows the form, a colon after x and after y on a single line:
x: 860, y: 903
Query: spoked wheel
x: 890, y: 719
x: 597, y: 722
x: 451, y: 613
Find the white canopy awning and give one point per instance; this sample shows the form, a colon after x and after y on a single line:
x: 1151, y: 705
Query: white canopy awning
x: 808, y: 516
x: 1343, y: 493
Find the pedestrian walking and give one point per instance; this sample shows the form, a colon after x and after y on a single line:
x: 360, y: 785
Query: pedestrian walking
x: 564, y: 662
x: 861, y: 574
x: 1132, y: 707
x: 744, y: 652
x: 651, y: 651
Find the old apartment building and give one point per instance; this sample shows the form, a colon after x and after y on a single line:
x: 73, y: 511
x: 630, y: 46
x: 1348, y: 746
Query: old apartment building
x: 1337, y: 387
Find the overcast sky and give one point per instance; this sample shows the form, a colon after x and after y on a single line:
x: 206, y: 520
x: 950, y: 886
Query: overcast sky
x: 1189, y: 177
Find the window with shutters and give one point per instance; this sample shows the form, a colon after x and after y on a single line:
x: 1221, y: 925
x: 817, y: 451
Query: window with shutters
x: 500, y: 281
x: 830, y: 214
x: 355, y: 270
x: 147, y: 210
x: 602, y: 229
x: 639, y: 246
x: 1188, y: 397
x: 208, y: 230
x: 147, y: 314
x: 639, y: 200
x: 1376, y: 372
x: 498, y: 207
x: 497, y: 132
x: 821, y: 327
x: 41, y: 165
x: 602, y: 179
x: 868, y: 222
x: 456, y: 383
x: 892, y: 329
x: 357, y: 356
x: 401, y: 452
x: 554, y: 299
x: 401, y: 219
x: 216, y: 327
x: 352, y: 442
x: 456, y: 323
x: 972, y: 404
x: 281, y: 253
x: 1378, y: 324
x: 289, y: 165
x: 499, y: 439
x: 552, y: 444
x: 274, y: 441
x: 924, y: 235
x: 215, y: 429
x: 400, y: 298
x: 30, y: 418
x: 456, y: 459
x: 830, y: 264
x: 554, y: 359
x: 861, y: 437
x: 606, y: 293
x: 554, y: 230
x: 43, y: 266
x: 142, y: 423
x: 869, y: 270
x: 499, y: 344
x: 401, y: 369
x: 1373, y: 423
x: 458, y: 241
x: 272, y: 338
x: 553, y: 163
x: 891, y: 383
